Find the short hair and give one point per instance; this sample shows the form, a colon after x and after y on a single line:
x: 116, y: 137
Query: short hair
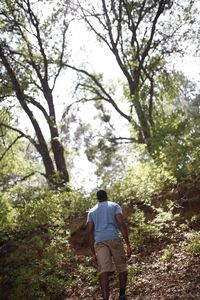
x: 102, y: 195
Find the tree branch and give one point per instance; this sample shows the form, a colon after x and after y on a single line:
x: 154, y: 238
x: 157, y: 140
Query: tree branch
x: 10, y: 146
x: 124, y: 140
x: 85, y: 17
x: 35, y: 23
x: 22, y: 134
x: 21, y: 96
x: 61, y: 57
x: 107, y: 97
x: 153, y: 29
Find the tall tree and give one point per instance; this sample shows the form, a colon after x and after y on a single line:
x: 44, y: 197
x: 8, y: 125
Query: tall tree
x: 32, y: 53
x: 141, y: 35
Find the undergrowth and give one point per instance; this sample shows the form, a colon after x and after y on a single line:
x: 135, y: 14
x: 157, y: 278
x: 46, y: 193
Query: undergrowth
x: 193, y: 245
x: 36, y: 259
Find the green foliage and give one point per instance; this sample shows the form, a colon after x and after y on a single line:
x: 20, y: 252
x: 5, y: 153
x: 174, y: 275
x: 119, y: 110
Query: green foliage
x: 194, y: 243
x: 14, y: 163
x: 168, y: 253
x: 178, y: 146
x: 8, y: 213
x: 40, y: 207
x: 43, y: 209
x: 142, y: 178
x: 165, y: 217
x: 89, y: 274
x: 34, y: 241
x: 38, y: 262
x: 78, y: 202
x: 175, y: 141
x: 133, y: 271
x: 139, y: 228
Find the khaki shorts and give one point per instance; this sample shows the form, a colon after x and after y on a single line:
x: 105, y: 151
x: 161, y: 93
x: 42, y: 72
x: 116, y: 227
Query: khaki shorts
x: 109, y: 251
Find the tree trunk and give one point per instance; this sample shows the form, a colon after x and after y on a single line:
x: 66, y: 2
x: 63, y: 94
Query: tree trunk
x: 144, y: 122
x: 57, y: 147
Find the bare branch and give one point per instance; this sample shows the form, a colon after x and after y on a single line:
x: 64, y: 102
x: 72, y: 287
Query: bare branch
x: 101, y: 37
x: 61, y: 64
x: 21, y: 96
x: 106, y: 96
x: 15, y: 182
x: 35, y: 23
x: 153, y: 29
x: 124, y: 140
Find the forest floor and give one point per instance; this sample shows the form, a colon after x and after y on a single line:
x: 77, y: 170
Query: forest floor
x: 162, y: 269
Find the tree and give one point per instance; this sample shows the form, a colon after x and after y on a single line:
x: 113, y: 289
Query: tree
x: 15, y: 166
x: 141, y: 35
x: 176, y: 143
x: 32, y: 54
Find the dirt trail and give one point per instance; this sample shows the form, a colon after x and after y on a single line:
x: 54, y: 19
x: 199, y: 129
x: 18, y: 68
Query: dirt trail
x: 176, y: 277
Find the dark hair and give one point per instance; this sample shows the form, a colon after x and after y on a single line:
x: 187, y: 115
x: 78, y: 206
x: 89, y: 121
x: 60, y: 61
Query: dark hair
x: 102, y: 195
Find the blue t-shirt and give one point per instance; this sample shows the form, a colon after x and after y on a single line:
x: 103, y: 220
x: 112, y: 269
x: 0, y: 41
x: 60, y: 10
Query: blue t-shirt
x: 103, y: 217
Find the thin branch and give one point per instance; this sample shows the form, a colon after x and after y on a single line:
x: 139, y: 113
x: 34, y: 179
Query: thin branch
x: 61, y: 57
x: 24, y: 178
x: 20, y: 26
x: 83, y: 99
x: 153, y: 29
x: 107, y: 97
x: 141, y: 13
x: 109, y: 26
x: 95, y: 15
x: 10, y: 146
x: 124, y: 140
x: 35, y: 23
x: 22, y: 134
x: 8, y: 186
x: 119, y: 25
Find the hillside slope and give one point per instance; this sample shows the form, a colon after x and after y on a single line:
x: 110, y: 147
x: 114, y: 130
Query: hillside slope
x: 163, y: 267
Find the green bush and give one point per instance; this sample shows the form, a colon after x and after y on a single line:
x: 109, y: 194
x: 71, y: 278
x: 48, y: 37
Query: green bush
x: 194, y: 244
x: 176, y: 145
x: 168, y: 253
x: 35, y: 264
x: 133, y: 271
x: 34, y: 248
x: 8, y: 213
x: 88, y: 274
x: 142, y: 178
x: 138, y: 228
x: 165, y: 217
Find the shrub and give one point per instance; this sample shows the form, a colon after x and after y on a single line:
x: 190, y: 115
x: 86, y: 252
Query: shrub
x: 8, y: 213
x: 142, y: 178
x: 88, y: 273
x: 34, y: 251
x: 168, y: 253
x: 133, y: 271
x: 165, y: 217
x: 194, y: 244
